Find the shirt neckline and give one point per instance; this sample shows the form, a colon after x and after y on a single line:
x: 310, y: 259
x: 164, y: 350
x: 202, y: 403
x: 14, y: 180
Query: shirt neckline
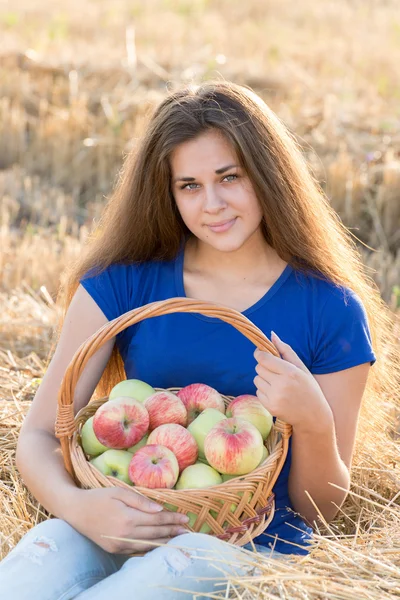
x: 180, y: 288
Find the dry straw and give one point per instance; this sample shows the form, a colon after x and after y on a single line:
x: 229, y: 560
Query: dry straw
x: 357, y: 556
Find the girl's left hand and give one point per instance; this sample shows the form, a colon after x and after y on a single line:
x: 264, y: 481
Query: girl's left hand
x: 288, y: 390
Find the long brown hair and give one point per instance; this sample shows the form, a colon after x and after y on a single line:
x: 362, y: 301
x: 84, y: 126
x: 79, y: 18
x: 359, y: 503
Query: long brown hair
x: 140, y: 222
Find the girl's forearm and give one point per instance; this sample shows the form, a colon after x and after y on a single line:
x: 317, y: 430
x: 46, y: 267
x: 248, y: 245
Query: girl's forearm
x: 315, y: 463
x: 40, y: 463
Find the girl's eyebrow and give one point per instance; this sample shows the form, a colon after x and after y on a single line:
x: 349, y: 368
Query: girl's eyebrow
x: 218, y: 172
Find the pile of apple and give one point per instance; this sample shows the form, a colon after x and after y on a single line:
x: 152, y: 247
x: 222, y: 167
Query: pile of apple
x: 158, y: 439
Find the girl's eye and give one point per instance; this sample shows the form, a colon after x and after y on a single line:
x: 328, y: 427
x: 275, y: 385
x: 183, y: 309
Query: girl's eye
x: 186, y: 185
x: 233, y: 175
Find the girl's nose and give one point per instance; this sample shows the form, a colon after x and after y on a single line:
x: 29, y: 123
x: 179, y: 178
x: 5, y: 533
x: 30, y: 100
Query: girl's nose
x: 213, y: 202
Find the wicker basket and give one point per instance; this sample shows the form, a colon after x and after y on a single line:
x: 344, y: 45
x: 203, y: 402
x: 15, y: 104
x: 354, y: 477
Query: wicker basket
x: 250, y: 494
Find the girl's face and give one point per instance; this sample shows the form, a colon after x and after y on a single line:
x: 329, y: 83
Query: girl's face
x: 213, y: 193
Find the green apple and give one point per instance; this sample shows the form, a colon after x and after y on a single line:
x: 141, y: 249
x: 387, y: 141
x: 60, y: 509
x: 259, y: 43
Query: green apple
x: 202, y: 424
x: 140, y: 444
x: 90, y: 443
x: 233, y: 509
x: 114, y: 463
x: 226, y: 477
x: 192, y: 519
x: 132, y: 388
x: 198, y: 476
x: 264, y: 455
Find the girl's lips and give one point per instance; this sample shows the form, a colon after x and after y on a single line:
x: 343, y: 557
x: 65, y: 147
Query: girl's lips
x: 224, y: 227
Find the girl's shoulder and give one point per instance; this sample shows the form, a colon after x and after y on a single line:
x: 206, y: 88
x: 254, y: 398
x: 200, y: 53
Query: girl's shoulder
x: 320, y: 288
x: 121, y: 286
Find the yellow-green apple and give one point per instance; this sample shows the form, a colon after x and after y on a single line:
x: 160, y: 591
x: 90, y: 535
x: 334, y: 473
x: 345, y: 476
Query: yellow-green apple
x: 114, y: 463
x: 202, y: 424
x: 154, y: 466
x: 234, y: 446
x: 192, y: 518
x: 90, y: 443
x: 132, y: 388
x: 140, y: 444
x: 179, y: 440
x: 198, y: 476
x: 165, y: 407
x: 205, y: 528
x: 249, y: 407
x: 121, y: 423
x: 265, y: 455
x: 199, y: 396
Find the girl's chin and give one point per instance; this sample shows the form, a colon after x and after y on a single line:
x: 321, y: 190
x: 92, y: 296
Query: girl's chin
x: 222, y: 245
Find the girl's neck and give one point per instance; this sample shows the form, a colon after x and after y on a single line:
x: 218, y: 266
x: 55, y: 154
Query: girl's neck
x: 255, y: 260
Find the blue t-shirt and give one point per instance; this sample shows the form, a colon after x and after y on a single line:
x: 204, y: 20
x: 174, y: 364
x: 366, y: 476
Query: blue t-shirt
x: 326, y: 327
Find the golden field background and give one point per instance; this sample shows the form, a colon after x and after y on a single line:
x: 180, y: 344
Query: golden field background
x: 77, y: 83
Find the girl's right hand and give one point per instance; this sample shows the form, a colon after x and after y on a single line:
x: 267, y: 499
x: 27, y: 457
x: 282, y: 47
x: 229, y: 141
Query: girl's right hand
x: 123, y: 513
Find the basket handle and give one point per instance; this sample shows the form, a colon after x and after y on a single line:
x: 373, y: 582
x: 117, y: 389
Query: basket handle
x: 65, y: 423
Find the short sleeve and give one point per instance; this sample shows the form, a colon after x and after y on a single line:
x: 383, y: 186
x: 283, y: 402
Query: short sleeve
x: 342, y: 335
x: 112, y: 291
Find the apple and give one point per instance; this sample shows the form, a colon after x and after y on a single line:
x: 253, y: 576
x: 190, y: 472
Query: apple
x: 114, y: 463
x: 234, y: 446
x: 202, y: 460
x: 90, y: 443
x: 198, y: 476
x: 232, y: 508
x: 179, y: 440
x: 165, y: 407
x: 120, y: 423
x: 132, y: 388
x: 249, y: 407
x: 140, y: 444
x: 202, y: 424
x: 199, y: 396
x: 154, y: 466
x: 192, y: 519
x: 226, y: 477
x: 265, y: 455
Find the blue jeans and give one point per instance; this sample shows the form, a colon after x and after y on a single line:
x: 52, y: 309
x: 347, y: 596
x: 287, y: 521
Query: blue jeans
x: 53, y: 561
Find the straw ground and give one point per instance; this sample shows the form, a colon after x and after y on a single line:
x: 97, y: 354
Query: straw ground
x: 74, y: 96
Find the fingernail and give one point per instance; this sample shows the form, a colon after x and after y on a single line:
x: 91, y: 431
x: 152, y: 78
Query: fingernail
x: 157, y: 507
x: 182, y: 530
x: 184, y: 519
x: 274, y: 334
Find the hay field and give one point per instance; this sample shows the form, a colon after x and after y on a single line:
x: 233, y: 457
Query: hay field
x: 76, y: 85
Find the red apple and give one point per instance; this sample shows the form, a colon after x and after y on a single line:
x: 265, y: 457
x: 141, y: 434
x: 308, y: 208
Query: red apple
x: 165, y: 407
x: 234, y: 446
x: 199, y: 396
x: 250, y: 409
x: 120, y: 423
x: 179, y: 440
x: 154, y: 466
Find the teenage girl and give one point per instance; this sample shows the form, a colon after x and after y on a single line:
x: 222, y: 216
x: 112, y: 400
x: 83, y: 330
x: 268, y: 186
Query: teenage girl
x: 216, y: 203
